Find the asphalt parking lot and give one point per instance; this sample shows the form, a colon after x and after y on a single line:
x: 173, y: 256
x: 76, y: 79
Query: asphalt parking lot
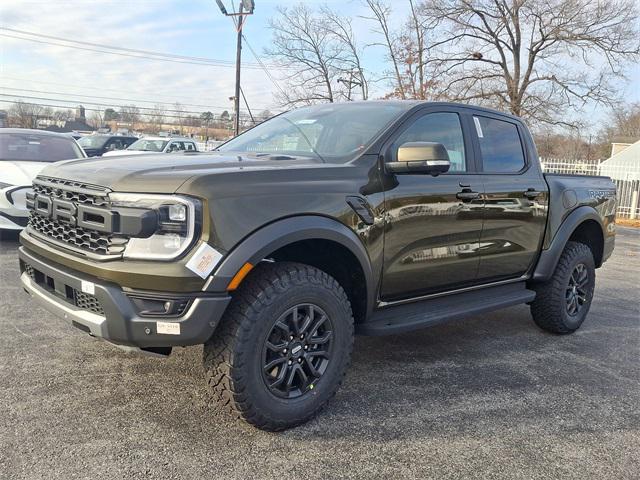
x: 487, y: 397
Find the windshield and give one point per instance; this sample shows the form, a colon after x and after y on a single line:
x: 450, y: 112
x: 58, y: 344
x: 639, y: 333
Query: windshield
x: 334, y: 133
x: 93, y: 141
x: 32, y: 147
x: 147, y: 145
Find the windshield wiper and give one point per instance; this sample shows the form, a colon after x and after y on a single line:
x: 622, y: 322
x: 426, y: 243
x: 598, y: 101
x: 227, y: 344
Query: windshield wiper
x: 305, y: 137
x: 271, y: 156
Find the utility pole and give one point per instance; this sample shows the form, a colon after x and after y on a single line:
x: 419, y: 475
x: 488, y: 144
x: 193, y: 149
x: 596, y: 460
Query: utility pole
x: 236, y: 96
x: 247, y: 5
x: 350, y: 84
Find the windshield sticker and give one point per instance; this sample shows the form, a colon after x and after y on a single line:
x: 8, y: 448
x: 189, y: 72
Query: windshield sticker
x: 478, y: 127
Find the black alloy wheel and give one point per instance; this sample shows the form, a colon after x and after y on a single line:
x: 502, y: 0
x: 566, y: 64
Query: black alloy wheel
x: 576, y: 294
x: 297, y: 351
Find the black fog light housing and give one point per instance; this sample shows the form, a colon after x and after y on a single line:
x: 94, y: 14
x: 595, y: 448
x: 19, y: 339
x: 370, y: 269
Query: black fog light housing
x: 151, y: 306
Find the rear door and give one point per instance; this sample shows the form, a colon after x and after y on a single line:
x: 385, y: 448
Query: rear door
x: 433, y: 224
x: 515, y: 198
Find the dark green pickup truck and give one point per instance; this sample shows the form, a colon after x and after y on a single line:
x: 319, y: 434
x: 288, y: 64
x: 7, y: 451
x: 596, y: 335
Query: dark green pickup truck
x: 374, y: 218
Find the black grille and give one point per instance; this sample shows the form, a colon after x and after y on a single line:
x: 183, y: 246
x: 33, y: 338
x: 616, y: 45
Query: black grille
x: 93, y: 241
x: 89, y: 240
x: 87, y: 302
x: 73, y: 191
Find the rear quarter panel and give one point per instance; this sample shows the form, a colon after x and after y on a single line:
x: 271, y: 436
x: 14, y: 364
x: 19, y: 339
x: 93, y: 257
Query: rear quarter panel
x: 568, y: 192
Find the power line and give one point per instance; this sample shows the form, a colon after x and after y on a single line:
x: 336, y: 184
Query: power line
x: 139, y: 53
x: 264, y: 68
x: 89, y: 109
x: 84, y: 87
x: 110, y: 98
x: 74, y: 104
x: 122, y: 54
x: 108, y: 105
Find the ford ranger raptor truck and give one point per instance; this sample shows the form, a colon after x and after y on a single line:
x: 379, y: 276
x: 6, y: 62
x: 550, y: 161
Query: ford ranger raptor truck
x: 368, y: 217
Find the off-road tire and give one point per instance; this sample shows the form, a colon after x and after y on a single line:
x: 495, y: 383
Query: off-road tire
x: 233, y: 358
x: 549, y: 309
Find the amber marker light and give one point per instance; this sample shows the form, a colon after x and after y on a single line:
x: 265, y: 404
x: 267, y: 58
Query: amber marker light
x: 238, y: 277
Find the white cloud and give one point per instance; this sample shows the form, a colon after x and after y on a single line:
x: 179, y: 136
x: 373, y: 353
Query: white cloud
x: 161, y: 25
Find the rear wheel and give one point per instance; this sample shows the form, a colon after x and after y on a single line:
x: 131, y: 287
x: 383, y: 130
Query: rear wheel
x: 283, y: 346
x: 562, y: 303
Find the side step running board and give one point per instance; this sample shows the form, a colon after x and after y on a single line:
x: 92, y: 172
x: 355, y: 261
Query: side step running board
x: 420, y: 314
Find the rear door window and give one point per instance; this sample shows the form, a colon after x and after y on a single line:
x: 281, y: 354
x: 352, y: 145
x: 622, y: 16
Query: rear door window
x: 500, y: 145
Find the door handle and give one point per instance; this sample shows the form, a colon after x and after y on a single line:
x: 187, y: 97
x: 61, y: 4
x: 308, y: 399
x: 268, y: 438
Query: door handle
x: 464, y: 185
x: 467, y: 195
x: 531, y: 193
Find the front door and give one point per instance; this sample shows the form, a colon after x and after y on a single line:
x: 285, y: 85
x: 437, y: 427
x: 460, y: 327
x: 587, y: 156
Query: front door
x: 433, y: 224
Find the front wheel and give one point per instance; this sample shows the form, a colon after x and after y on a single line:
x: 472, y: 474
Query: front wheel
x: 562, y: 302
x: 283, y: 346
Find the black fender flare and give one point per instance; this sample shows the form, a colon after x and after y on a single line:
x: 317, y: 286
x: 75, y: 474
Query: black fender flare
x: 255, y: 247
x: 549, y: 258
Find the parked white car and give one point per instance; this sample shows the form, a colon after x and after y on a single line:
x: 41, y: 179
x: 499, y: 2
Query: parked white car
x: 23, y: 153
x: 156, y: 145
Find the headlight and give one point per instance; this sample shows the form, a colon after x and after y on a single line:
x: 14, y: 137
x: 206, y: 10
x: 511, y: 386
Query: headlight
x: 178, y: 224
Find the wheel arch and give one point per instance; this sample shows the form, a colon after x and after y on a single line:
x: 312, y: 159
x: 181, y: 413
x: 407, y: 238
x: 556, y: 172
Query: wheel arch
x: 287, y: 238
x: 583, y: 225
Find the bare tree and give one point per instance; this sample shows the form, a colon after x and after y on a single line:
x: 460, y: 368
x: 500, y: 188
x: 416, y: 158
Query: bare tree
x: 622, y: 125
x: 156, y: 117
x: 304, y: 45
x: 96, y: 119
x: 341, y: 29
x: 24, y: 115
x: 63, y: 115
x: 179, y: 114
x: 381, y: 13
x: 533, y: 58
x: 130, y: 114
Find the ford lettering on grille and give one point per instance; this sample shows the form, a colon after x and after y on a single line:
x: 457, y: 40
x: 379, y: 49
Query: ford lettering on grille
x: 83, y: 216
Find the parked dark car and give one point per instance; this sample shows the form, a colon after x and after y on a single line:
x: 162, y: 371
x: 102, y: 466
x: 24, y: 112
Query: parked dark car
x: 373, y: 217
x: 97, y: 145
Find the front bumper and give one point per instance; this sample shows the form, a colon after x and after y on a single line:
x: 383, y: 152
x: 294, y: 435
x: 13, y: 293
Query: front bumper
x: 107, y: 311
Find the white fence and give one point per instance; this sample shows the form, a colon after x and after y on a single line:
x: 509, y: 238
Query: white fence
x: 627, y: 180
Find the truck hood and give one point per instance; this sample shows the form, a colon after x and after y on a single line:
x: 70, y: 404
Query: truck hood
x: 125, y: 152
x: 163, y: 172
x: 19, y: 172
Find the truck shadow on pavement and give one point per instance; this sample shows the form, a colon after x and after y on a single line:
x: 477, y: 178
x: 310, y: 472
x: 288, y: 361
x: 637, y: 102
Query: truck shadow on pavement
x: 473, y: 376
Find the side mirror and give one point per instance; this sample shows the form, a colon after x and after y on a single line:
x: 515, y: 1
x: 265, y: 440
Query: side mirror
x: 420, y: 157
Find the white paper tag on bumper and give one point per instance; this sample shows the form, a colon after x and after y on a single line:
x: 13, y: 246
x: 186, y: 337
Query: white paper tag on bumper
x: 204, y: 260
x: 168, y: 328
x: 88, y: 287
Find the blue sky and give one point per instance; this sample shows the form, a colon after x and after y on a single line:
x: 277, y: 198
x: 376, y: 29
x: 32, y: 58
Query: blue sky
x: 193, y: 28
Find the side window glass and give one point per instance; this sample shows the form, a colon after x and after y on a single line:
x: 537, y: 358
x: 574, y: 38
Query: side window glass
x: 190, y: 146
x: 500, y: 145
x: 444, y: 128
